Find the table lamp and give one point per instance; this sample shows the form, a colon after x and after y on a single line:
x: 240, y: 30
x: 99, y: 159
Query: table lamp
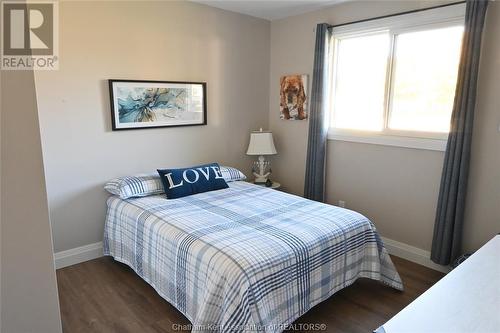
x: 261, y: 143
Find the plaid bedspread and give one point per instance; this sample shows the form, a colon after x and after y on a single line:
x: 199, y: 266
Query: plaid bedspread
x: 246, y: 258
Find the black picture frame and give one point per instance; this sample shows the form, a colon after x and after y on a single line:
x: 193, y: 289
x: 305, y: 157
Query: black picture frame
x: 118, y: 125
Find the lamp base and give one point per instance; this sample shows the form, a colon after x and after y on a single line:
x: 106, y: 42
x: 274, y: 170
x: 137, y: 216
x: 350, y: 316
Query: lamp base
x: 260, y: 180
x: 261, y: 176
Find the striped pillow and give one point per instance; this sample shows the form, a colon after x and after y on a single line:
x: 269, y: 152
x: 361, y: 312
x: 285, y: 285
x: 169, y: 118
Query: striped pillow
x: 135, y: 186
x: 232, y: 174
x: 150, y: 184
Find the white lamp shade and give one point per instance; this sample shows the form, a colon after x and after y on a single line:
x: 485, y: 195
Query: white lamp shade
x: 261, y: 143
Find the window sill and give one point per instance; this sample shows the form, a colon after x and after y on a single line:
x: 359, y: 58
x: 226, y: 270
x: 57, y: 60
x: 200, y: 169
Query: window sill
x: 389, y: 140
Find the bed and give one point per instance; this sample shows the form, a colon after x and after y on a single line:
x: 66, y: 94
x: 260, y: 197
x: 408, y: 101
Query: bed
x: 246, y: 258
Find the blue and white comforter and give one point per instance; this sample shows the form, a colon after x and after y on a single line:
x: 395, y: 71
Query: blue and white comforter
x: 245, y: 258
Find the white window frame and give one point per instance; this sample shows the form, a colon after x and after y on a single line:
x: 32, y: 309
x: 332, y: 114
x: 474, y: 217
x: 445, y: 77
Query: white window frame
x: 448, y: 16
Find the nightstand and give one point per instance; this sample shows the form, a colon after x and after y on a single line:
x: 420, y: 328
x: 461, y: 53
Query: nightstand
x: 275, y: 185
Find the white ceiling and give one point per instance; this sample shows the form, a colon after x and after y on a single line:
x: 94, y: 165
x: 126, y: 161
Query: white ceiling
x: 270, y: 10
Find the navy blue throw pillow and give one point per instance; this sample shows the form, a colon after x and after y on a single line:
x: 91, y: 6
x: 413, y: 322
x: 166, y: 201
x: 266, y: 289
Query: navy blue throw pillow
x: 179, y: 183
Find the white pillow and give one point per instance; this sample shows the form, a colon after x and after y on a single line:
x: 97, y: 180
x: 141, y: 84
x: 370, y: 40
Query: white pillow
x: 232, y: 174
x: 135, y: 186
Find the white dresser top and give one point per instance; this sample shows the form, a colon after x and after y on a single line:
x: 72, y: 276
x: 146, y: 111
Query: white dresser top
x: 465, y: 300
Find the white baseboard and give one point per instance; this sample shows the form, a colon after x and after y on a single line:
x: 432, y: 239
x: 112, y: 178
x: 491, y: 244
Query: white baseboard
x: 413, y: 254
x: 402, y: 250
x: 78, y: 255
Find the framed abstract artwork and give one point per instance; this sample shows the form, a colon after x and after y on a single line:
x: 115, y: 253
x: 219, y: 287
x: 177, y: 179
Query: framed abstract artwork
x: 293, y: 97
x: 151, y: 104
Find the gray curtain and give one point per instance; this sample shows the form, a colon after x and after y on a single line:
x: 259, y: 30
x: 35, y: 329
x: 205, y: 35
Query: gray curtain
x: 446, y: 242
x: 314, y: 186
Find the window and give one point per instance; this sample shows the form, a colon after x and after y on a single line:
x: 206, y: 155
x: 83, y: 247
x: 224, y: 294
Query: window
x: 393, y: 79
x: 361, y: 73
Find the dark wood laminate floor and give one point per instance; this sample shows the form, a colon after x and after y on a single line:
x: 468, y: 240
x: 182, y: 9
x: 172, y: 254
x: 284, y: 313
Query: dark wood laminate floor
x: 105, y: 296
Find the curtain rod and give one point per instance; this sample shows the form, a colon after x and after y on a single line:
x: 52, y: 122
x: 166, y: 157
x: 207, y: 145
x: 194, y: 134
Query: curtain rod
x: 398, y: 14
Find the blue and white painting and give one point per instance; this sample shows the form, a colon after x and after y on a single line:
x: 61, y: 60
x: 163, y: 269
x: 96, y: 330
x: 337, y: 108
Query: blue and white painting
x: 143, y: 104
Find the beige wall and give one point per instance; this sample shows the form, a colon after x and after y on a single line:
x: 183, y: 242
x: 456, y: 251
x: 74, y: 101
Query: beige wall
x: 482, y: 218
x: 28, y: 282
x: 151, y: 41
x: 0, y: 201
x: 395, y: 187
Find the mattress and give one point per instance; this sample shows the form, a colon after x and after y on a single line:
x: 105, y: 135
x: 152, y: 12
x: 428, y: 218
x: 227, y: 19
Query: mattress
x: 246, y: 258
